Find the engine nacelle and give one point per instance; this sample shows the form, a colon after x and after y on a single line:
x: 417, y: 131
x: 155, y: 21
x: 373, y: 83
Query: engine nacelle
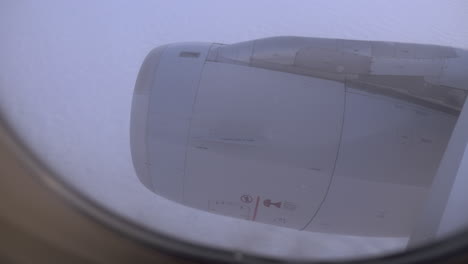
x: 327, y: 135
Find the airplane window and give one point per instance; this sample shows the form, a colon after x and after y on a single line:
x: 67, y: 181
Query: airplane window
x: 279, y: 134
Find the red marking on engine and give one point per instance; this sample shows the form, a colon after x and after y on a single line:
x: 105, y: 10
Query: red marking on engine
x: 256, y: 208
